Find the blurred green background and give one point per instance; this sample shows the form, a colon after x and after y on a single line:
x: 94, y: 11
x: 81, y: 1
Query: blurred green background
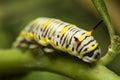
x: 15, y: 14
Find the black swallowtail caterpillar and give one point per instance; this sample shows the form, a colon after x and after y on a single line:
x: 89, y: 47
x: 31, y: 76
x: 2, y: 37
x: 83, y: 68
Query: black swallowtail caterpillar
x: 62, y: 36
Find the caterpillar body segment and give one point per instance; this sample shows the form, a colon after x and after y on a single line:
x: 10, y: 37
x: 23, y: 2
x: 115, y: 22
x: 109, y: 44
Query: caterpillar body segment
x: 62, y: 36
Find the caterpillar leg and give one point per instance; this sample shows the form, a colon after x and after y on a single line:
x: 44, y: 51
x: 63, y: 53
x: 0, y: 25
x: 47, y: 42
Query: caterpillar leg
x: 32, y: 45
x: 24, y: 44
x: 48, y: 49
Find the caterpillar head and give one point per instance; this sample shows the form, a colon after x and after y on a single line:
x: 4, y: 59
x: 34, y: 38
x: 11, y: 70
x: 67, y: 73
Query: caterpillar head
x: 94, y: 52
x: 88, y: 50
x: 92, y: 56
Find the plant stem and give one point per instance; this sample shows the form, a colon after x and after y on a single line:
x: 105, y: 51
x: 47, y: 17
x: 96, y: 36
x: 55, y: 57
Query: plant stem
x: 114, y: 49
x: 14, y: 61
x: 102, y: 10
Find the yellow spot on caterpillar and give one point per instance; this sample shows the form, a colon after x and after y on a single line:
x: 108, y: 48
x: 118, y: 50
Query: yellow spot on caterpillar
x: 53, y: 43
x: 62, y: 48
x: 88, y: 33
x: 93, y: 47
x: 36, y: 37
x: 69, y: 50
x: 23, y: 34
x: 79, y: 55
x: 63, y: 30
x: 29, y: 35
x: 44, y: 41
x: 46, y: 23
x: 81, y: 37
x: 73, y: 25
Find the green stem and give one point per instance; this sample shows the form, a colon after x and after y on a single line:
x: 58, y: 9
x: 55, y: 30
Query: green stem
x: 115, y: 41
x: 102, y: 10
x: 112, y: 51
x: 14, y: 61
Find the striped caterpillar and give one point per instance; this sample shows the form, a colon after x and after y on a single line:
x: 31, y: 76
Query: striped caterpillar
x: 59, y: 35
